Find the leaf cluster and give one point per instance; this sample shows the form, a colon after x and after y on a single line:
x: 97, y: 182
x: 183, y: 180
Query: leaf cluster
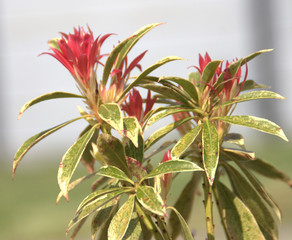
x: 129, y: 194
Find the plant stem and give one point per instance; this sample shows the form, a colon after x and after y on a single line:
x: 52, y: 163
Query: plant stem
x: 208, y: 209
x: 220, y: 212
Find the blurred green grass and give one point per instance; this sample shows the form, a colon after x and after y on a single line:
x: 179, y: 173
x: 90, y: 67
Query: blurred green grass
x: 28, y: 209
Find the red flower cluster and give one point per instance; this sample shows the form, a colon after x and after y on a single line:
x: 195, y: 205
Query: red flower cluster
x: 79, y: 53
x: 231, y: 84
x: 135, y: 105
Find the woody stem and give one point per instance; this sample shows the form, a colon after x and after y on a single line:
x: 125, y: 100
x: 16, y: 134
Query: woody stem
x: 208, y: 209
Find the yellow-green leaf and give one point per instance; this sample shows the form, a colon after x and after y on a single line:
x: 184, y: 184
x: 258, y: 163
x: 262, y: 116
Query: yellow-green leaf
x: 148, y: 71
x: 164, y: 113
x: 185, y: 203
x: 97, y: 194
x: 239, y: 221
x: 260, y: 189
x: 254, y: 95
x: 163, y: 131
x: 253, y: 202
x: 132, y: 129
x: 136, y: 168
x: 133, y: 40
x: 70, y: 161
x: 173, y: 166
x: 75, y: 183
x: 185, y: 84
x: 234, y: 138
x: 121, y: 220
x: 257, y: 123
x: 151, y: 200
x: 47, y: 96
x: 169, y: 92
x: 112, y: 114
x: 29, y: 143
x: 134, y: 231
x: 186, y: 230
x: 112, y: 152
x: 253, y: 55
x: 210, y: 150
x: 268, y: 170
x: 250, y: 85
x: 94, y: 206
x: 114, y: 172
x: 183, y: 144
x: 209, y: 71
x: 111, y: 60
x: 102, y: 217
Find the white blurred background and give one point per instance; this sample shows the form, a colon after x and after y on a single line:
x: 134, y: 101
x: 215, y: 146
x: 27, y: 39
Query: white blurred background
x: 226, y: 29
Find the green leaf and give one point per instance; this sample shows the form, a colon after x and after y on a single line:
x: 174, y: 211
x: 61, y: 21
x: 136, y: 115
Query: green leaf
x: 257, y: 123
x: 168, y: 91
x: 254, y: 202
x: 195, y: 77
x: 47, y: 96
x: 87, y: 159
x: 164, y: 113
x: 97, y: 194
x: 210, y: 150
x: 112, y: 152
x: 121, y: 220
x: 134, y: 231
x: 186, y: 230
x: 172, y: 166
x: 132, y: 129
x: 70, y: 161
x: 75, y: 183
x: 239, y: 221
x: 253, y: 55
x: 163, y: 131
x: 254, y: 95
x: 147, y: 224
x: 133, y: 40
x: 242, y: 156
x: 268, y: 170
x: 250, y: 85
x: 94, y: 206
x: 184, y: 204
x: 185, y: 84
x: 77, y: 228
x: 260, y: 189
x: 102, y: 217
x: 234, y: 138
x: 244, y: 153
x: 136, y: 168
x: 233, y: 67
x: 29, y: 143
x: 135, y: 152
x: 209, y: 71
x: 148, y: 71
x: 110, y: 61
x: 183, y: 144
x: 112, y: 114
x: 151, y: 200
x: 114, y: 172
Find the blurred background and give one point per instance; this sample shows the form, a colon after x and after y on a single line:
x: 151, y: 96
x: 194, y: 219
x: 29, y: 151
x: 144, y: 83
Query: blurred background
x: 226, y: 29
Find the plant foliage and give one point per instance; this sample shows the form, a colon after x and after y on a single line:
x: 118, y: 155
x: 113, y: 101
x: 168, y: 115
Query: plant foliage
x: 130, y: 191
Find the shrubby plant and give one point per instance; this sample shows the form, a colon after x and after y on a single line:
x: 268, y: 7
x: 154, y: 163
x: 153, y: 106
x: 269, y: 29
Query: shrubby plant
x: 129, y: 198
